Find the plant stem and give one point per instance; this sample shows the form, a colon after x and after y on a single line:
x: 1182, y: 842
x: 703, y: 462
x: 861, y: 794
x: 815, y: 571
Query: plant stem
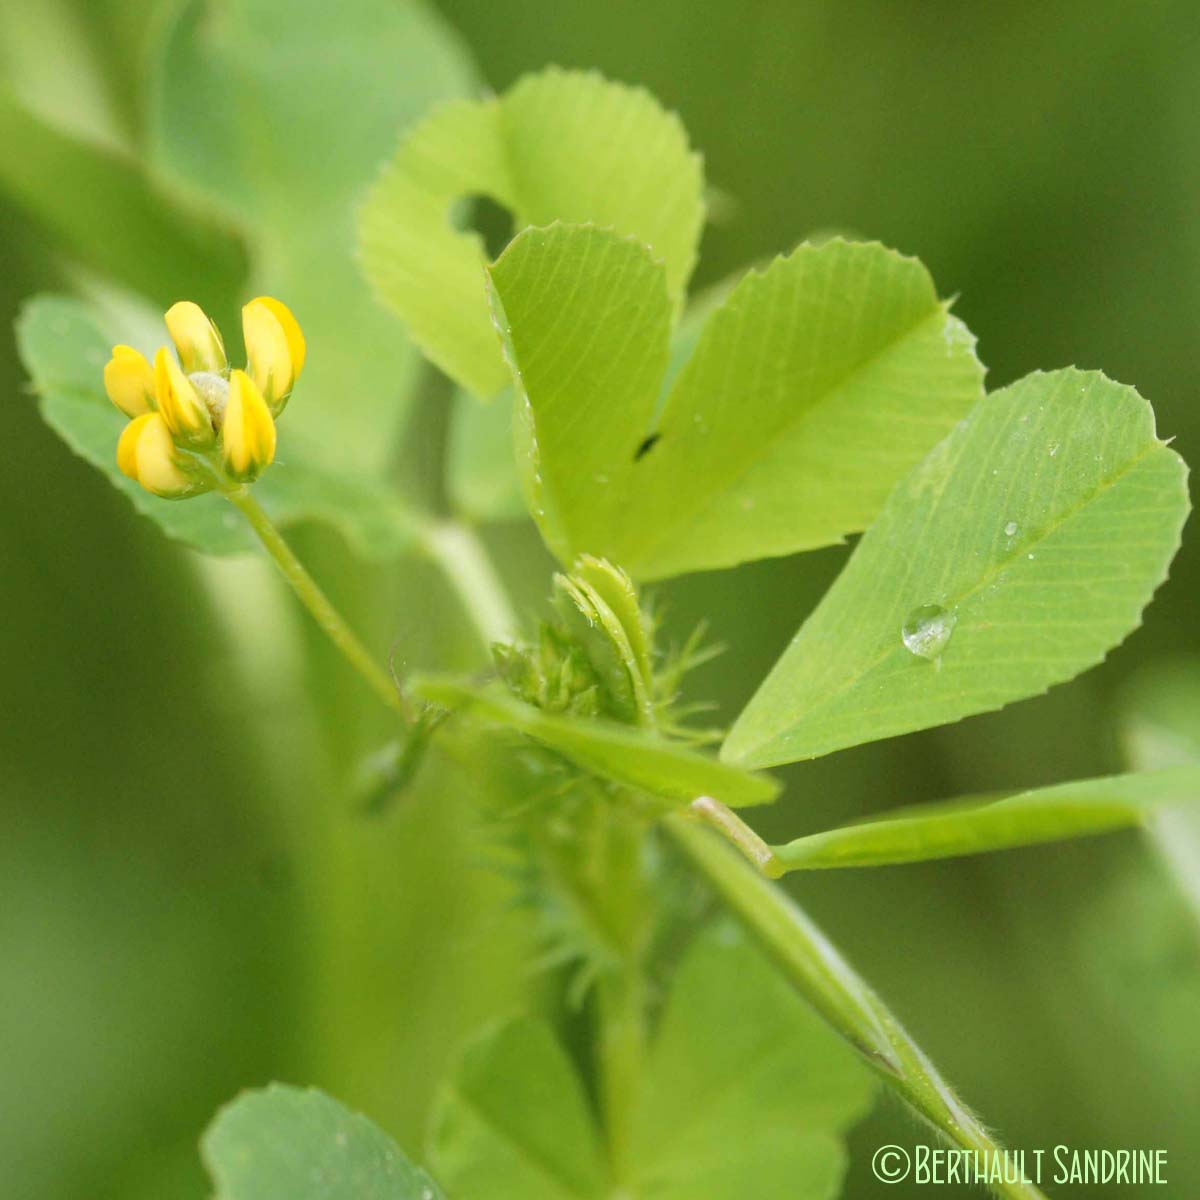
x: 798, y: 947
x: 620, y: 1002
x: 457, y: 550
x: 836, y: 991
x: 315, y: 600
x: 727, y: 822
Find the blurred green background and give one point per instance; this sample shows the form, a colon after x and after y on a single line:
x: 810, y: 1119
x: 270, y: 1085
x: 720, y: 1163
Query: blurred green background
x: 186, y: 909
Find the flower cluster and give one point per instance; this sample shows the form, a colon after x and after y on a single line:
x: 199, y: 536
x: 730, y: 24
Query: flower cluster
x: 195, y: 419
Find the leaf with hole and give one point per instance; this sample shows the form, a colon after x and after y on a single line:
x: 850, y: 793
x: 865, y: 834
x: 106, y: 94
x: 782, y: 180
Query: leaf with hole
x: 558, y: 145
x: 812, y: 388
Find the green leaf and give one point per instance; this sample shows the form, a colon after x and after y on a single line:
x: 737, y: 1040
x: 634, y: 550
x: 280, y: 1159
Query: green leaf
x: 1049, y: 814
x: 102, y: 208
x: 586, y: 322
x: 746, y: 1090
x: 288, y: 1143
x: 257, y: 115
x: 64, y: 350
x: 1032, y: 538
x: 482, y: 475
x: 514, y: 1123
x: 559, y: 145
x: 621, y: 753
x: 842, y: 998
x: 813, y: 387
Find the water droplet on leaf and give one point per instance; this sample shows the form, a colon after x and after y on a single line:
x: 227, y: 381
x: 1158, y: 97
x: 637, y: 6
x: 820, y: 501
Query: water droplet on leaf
x: 927, y: 631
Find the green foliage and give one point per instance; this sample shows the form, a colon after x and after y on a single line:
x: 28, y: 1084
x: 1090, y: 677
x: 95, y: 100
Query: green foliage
x: 559, y: 145
x: 814, y: 399
x: 128, y: 228
x: 1040, y: 529
x: 514, y: 1124
x: 636, y: 758
x: 812, y: 388
x: 762, y: 1098
x: 277, y: 114
x: 752, y: 1101
x: 1049, y: 814
x: 64, y: 351
x: 287, y: 1143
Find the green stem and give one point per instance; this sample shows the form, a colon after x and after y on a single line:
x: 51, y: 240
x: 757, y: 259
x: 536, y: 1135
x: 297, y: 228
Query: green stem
x: 621, y: 1009
x: 836, y: 991
x: 457, y: 550
x: 798, y: 947
x: 315, y: 600
x: 727, y: 822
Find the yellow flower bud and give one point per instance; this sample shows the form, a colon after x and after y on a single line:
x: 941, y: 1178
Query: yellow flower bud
x: 196, y: 338
x: 186, y: 415
x: 148, y: 455
x: 275, y: 349
x: 297, y: 347
x: 129, y: 381
x: 248, y: 433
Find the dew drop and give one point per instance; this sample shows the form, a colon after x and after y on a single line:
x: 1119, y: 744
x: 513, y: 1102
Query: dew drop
x: 1010, y: 530
x: 927, y: 631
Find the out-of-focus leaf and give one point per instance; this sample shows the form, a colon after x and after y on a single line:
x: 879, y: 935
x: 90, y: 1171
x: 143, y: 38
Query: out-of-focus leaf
x: 278, y: 112
x: 812, y: 388
x: 622, y: 753
x: 101, y: 207
x: 64, y: 350
x: 481, y: 471
x: 557, y: 146
x: 1050, y: 814
x: 746, y: 1091
x: 288, y: 1143
x: 513, y: 1122
x: 743, y: 1083
x: 1161, y: 728
x: 1021, y: 551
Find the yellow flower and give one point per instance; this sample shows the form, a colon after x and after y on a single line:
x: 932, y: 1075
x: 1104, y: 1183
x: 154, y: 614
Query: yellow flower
x: 186, y: 415
x: 209, y: 423
x: 275, y: 349
x: 148, y: 455
x: 197, y: 340
x: 248, y: 434
x: 129, y: 381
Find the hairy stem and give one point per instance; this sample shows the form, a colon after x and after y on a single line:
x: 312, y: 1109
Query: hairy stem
x: 836, y: 991
x: 315, y: 600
